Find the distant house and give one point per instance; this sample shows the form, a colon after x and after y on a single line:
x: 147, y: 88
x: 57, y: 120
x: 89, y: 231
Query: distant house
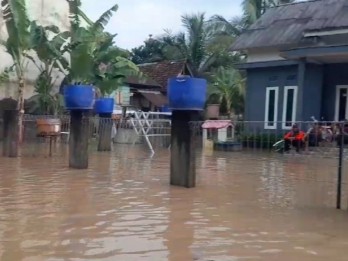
x: 150, y: 94
x: 297, y: 64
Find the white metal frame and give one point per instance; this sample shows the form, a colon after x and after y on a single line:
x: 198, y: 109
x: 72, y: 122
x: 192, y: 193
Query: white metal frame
x: 285, y: 105
x: 142, y: 125
x: 268, y: 90
x: 337, y: 102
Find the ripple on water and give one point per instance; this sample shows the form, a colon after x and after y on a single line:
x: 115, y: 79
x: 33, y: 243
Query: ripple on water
x: 245, y: 207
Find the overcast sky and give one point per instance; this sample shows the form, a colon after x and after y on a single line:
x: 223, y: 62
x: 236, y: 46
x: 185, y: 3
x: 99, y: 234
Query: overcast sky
x: 136, y: 19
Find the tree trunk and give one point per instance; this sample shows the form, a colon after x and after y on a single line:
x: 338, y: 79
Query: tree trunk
x: 20, y: 108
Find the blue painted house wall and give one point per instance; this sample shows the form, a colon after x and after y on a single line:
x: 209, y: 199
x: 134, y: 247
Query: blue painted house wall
x: 312, y: 93
x: 319, y: 92
x: 334, y: 74
x: 258, y: 80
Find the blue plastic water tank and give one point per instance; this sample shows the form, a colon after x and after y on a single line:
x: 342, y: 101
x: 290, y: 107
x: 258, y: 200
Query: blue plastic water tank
x: 187, y: 93
x: 104, y: 105
x: 79, y: 97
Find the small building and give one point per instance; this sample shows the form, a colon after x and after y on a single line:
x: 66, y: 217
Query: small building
x: 150, y: 94
x: 297, y: 64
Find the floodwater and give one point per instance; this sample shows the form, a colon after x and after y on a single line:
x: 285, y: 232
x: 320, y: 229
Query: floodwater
x: 245, y: 207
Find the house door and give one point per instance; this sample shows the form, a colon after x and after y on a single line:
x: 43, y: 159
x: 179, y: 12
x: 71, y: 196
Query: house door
x: 341, y: 103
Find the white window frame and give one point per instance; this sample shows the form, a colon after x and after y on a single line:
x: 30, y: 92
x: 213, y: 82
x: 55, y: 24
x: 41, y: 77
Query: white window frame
x: 268, y: 90
x: 337, y: 102
x: 285, y: 105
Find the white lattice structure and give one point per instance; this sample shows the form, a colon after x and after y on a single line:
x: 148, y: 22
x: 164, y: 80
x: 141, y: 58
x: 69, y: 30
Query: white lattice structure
x: 145, y: 123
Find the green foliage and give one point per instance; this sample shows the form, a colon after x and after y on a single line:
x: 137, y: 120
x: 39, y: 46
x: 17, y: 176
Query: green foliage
x: 227, y: 88
x: 254, y: 9
x: 264, y: 141
x: 50, y: 52
x: 94, y: 58
x: 193, y: 44
x: 17, y: 25
x: 45, y: 101
x: 153, y: 50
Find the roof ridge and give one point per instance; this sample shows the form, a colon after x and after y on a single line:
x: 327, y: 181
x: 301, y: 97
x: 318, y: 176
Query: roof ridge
x: 162, y: 62
x: 296, y: 3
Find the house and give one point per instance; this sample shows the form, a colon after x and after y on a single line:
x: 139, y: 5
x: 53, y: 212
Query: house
x: 297, y: 64
x: 150, y: 94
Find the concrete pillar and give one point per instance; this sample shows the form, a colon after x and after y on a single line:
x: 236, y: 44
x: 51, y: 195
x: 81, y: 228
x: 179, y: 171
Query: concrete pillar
x: 10, y: 130
x: 78, y: 141
x: 183, y: 161
x: 105, y: 130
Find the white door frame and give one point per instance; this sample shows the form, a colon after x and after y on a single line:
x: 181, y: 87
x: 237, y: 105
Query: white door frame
x: 337, y: 102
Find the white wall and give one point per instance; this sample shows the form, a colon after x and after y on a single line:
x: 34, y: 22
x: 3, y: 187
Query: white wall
x: 45, y: 12
x: 263, y: 56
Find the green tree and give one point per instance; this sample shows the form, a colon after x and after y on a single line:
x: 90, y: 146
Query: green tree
x: 254, y: 9
x: 94, y: 59
x: 193, y: 44
x: 50, y: 58
x: 151, y: 51
x: 17, y: 45
x: 227, y: 87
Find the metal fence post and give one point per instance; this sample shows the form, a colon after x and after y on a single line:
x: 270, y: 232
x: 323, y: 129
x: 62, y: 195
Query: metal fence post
x: 339, y: 174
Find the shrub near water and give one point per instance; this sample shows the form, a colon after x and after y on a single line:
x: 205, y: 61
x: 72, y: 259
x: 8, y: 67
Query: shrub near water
x: 262, y: 141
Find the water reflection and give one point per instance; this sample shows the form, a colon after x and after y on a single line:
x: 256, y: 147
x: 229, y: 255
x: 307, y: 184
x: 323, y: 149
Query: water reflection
x: 246, y: 207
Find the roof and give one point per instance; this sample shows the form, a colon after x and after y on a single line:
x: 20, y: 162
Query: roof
x: 146, y: 82
x: 285, y: 25
x: 158, y: 73
x: 217, y: 124
x: 157, y: 99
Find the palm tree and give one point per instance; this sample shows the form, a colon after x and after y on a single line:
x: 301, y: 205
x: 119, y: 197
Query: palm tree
x: 254, y: 9
x: 17, y: 45
x: 227, y: 88
x: 193, y: 44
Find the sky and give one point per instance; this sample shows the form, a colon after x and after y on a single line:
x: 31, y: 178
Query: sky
x: 135, y: 20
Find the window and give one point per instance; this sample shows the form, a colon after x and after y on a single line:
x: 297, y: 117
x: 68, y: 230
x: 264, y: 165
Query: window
x: 289, y: 106
x: 271, y: 110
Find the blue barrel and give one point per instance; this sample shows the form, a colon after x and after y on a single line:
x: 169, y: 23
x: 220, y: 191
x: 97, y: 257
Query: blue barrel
x: 104, y: 105
x: 187, y: 93
x: 79, y: 97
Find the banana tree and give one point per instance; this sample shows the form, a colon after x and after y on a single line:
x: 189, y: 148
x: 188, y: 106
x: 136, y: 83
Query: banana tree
x: 111, y: 67
x: 17, y: 45
x: 50, y: 59
x: 94, y: 58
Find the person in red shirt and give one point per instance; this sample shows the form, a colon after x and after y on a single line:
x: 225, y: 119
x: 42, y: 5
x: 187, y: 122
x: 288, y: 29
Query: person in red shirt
x: 295, y: 138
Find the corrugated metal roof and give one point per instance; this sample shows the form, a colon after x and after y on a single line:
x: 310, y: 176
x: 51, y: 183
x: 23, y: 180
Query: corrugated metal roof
x: 285, y: 25
x: 157, y: 99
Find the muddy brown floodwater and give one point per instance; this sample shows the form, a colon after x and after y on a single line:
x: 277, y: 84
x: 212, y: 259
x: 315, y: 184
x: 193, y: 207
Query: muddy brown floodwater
x: 245, y: 207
